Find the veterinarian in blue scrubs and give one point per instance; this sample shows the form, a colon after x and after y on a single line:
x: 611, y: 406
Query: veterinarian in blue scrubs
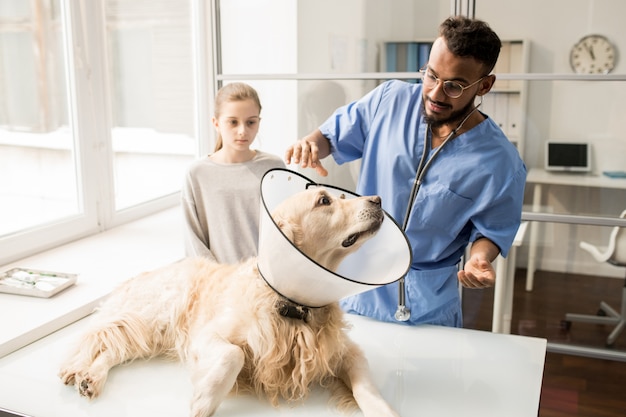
x: 470, y: 176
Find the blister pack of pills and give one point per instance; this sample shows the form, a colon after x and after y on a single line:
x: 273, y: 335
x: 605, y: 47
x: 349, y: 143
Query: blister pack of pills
x: 35, y: 283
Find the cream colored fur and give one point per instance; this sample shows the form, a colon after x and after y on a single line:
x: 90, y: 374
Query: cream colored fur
x: 222, y: 321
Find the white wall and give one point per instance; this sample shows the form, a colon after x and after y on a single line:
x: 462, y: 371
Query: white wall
x: 590, y: 111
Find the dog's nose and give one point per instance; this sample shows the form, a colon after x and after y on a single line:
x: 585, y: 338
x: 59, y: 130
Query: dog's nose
x: 375, y: 200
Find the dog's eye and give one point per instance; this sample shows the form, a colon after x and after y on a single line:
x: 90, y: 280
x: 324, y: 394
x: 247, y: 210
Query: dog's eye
x: 324, y: 201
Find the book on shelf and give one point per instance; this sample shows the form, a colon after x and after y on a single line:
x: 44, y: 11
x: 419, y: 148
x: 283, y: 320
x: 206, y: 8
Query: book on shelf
x: 406, y: 57
x: 614, y: 174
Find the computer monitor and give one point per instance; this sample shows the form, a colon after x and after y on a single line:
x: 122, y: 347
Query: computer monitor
x: 568, y: 156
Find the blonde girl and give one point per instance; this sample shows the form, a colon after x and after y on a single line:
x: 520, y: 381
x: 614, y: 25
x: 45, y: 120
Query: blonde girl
x: 220, y: 196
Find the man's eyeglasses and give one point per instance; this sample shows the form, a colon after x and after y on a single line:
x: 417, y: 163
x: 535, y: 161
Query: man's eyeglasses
x: 451, y: 88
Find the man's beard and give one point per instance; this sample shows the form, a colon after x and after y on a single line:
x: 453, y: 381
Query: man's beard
x: 455, y: 116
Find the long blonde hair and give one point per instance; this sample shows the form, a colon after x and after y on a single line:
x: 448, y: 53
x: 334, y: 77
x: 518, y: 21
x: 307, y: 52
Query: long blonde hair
x: 233, y: 92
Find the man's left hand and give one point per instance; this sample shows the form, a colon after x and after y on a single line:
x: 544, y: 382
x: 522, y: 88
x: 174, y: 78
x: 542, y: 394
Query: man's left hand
x: 478, y: 273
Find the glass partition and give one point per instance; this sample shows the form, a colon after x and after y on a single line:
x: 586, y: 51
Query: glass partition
x: 332, y: 54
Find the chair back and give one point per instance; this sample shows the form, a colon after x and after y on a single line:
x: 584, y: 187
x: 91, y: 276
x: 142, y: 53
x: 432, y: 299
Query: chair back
x: 619, y: 234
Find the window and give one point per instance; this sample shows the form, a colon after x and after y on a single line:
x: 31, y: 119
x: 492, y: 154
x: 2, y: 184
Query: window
x: 150, y: 69
x: 97, y: 116
x: 36, y: 149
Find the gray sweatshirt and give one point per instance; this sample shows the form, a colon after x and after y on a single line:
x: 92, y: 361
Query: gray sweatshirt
x: 221, y: 207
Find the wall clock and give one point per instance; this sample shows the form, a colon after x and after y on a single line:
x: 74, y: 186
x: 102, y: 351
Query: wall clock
x: 593, y: 54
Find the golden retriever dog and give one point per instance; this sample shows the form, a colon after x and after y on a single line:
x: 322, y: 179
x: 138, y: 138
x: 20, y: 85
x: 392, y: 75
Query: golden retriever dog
x: 232, y: 329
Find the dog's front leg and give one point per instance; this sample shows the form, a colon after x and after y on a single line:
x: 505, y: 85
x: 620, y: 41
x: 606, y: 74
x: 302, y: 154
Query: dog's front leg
x: 215, y: 365
x: 356, y: 375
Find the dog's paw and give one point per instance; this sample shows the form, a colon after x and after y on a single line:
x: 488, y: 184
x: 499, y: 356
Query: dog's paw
x: 67, y: 376
x: 87, y: 387
x: 84, y: 383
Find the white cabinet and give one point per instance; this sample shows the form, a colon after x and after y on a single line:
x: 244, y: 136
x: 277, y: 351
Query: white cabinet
x: 506, y: 102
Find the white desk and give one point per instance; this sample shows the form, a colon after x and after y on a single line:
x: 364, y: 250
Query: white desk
x: 418, y: 369
x: 421, y: 371
x: 539, y: 177
x: 505, y: 282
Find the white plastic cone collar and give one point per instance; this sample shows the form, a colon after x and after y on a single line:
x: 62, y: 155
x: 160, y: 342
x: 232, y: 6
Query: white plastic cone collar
x: 383, y: 259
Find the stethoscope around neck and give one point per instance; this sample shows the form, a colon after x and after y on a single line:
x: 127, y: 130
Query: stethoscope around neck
x: 403, y: 313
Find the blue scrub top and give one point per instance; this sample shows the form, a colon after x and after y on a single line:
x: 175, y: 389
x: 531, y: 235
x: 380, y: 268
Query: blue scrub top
x: 474, y: 188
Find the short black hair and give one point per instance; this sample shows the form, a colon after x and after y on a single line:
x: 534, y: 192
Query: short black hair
x: 471, y: 38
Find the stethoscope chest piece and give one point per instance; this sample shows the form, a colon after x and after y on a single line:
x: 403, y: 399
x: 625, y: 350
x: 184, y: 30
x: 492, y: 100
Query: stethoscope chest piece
x: 402, y: 313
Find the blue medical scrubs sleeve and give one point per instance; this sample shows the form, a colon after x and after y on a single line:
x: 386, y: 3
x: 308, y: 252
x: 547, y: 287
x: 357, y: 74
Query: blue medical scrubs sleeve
x: 349, y: 126
x: 500, y: 218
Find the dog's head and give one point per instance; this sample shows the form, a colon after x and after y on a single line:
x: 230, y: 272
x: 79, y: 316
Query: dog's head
x: 327, y: 227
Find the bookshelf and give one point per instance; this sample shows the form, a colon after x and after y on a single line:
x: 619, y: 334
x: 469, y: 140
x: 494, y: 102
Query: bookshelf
x: 406, y: 56
x: 505, y: 103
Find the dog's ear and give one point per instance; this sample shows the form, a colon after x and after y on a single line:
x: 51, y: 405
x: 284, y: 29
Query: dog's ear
x: 291, y: 230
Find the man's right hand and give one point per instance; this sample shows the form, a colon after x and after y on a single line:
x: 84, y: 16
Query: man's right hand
x: 307, y: 153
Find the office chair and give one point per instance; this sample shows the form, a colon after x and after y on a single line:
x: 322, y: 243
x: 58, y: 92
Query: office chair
x: 614, y: 254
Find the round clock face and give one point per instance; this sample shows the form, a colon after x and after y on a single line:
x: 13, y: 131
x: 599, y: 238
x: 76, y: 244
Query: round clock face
x: 593, y: 54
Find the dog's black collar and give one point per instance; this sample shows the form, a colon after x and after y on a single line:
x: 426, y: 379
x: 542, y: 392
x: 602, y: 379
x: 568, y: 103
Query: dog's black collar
x: 286, y: 307
x: 292, y: 311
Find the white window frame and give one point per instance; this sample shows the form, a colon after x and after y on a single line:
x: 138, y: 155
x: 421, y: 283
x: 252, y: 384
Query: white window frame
x: 90, y: 120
